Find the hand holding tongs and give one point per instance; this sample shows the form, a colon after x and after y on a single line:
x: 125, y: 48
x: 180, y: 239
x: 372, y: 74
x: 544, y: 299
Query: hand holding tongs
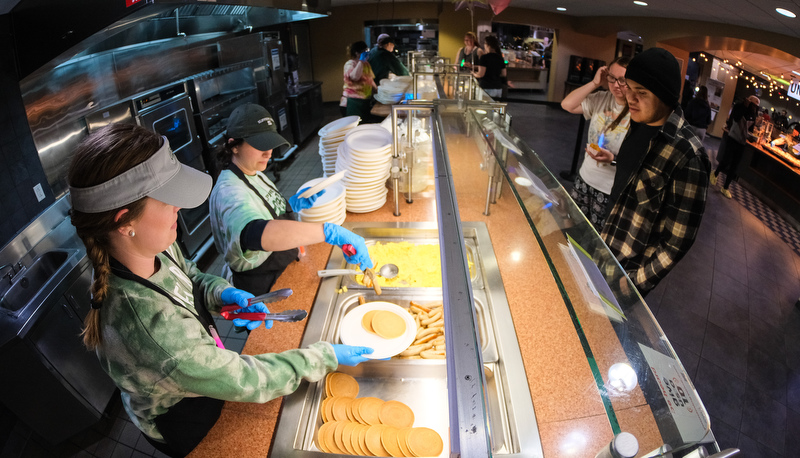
x: 349, y: 250
x: 229, y: 311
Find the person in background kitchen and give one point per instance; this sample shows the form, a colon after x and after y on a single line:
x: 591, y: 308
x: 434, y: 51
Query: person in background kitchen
x: 150, y: 322
x: 609, y: 120
x: 251, y: 221
x: 384, y: 61
x: 470, y: 54
x: 491, y: 68
x: 359, y: 81
x: 659, y: 192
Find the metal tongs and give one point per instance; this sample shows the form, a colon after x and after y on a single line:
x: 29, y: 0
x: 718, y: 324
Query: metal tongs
x: 349, y: 250
x: 229, y: 312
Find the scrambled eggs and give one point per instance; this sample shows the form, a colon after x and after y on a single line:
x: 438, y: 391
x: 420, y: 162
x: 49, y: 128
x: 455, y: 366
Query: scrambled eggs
x: 418, y: 264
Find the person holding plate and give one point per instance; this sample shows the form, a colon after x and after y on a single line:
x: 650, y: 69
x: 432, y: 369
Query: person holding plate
x: 252, y: 223
x: 151, y: 319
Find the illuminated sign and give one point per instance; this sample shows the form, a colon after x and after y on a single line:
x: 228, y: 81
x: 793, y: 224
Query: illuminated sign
x: 794, y: 90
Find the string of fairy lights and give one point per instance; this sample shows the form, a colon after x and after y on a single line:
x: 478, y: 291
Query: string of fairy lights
x: 772, y: 83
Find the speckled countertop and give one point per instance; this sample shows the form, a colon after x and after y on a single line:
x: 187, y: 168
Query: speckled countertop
x: 570, y: 414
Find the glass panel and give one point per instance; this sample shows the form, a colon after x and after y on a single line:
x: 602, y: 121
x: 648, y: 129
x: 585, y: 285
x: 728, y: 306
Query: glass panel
x: 640, y: 384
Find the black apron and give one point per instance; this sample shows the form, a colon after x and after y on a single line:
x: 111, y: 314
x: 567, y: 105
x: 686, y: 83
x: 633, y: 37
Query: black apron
x: 261, y: 279
x: 186, y: 423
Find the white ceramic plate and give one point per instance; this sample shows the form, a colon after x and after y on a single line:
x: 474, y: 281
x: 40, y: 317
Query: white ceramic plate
x: 366, y: 209
x: 318, y: 184
x: 368, y: 140
x: 352, y: 333
x: 339, y: 124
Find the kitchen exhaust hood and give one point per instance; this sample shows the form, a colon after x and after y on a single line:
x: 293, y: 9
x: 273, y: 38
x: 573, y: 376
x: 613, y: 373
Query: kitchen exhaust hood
x: 48, y: 33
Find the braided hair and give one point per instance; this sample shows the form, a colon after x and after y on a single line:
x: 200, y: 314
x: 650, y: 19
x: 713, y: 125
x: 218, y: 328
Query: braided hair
x: 105, y: 154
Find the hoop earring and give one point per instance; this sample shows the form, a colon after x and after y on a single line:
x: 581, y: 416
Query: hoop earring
x: 132, y: 233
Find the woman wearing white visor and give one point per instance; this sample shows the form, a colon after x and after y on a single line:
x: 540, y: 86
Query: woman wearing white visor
x: 150, y: 322
x: 251, y: 221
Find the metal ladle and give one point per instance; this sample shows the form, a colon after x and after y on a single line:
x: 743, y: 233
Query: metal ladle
x: 387, y: 271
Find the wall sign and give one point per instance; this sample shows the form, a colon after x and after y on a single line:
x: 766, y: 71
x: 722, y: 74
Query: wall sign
x: 794, y: 90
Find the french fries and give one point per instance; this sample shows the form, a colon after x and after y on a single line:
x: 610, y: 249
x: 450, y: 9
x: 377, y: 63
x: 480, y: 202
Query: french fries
x: 429, y: 343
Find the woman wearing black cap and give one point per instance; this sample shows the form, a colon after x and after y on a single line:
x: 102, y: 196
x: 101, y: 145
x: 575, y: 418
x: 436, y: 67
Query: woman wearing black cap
x: 150, y: 322
x: 249, y: 217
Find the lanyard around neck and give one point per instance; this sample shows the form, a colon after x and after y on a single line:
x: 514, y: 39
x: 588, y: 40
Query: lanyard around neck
x: 238, y: 172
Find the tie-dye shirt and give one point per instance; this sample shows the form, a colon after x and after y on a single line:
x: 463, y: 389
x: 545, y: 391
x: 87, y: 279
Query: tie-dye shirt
x: 158, y: 353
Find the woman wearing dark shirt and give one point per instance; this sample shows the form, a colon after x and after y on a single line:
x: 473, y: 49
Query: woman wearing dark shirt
x: 491, y: 69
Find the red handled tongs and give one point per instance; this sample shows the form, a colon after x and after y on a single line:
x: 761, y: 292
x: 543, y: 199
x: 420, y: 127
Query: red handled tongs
x: 350, y: 250
x: 229, y: 312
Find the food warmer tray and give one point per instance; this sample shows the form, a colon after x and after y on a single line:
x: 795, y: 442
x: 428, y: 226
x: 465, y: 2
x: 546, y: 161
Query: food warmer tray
x: 419, y: 383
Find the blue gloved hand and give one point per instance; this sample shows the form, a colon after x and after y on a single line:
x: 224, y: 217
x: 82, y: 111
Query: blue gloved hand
x: 240, y: 297
x: 350, y: 355
x: 337, y: 235
x: 301, y: 203
x: 364, y: 55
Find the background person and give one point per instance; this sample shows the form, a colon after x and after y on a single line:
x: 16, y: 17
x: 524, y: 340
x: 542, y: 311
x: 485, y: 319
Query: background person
x: 698, y: 113
x: 249, y: 216
x: 491, y: 68
x: 384, y: 61
x: 469, y: 54
x: 359, y: 82
x: 742, y: 117
x: 659, y: 191
x: 150, y: 322
x: 609, y: 119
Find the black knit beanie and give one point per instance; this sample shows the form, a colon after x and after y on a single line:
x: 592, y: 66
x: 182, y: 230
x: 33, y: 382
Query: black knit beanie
x: 658, y: 71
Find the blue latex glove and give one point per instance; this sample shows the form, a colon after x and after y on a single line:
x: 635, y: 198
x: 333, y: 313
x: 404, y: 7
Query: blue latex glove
x: 364, y: 55
x: 240, y: 297
x: 350, y: 355
x: 301, y: 203
x: 337, y: 235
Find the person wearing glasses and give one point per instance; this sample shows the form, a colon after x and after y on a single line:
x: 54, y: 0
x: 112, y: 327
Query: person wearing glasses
x: 609, y: 119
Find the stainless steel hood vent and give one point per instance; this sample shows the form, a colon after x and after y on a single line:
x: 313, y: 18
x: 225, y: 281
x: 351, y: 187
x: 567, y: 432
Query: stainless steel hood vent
x: 48, y: 33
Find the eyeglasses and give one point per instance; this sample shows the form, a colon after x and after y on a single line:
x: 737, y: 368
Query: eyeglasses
x: 611, y: 80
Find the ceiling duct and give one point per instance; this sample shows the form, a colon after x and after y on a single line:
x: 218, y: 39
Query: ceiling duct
x: 48, y: 33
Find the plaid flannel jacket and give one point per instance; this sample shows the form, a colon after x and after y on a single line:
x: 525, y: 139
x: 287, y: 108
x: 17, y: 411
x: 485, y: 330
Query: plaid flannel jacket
x: 655, y: 220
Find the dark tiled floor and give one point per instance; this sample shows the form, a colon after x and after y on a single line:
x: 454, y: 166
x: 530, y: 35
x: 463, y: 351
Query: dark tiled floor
x: 728, y: 308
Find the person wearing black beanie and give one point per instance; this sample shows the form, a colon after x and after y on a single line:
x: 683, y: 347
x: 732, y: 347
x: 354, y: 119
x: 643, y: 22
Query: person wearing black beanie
x: 660, y: 188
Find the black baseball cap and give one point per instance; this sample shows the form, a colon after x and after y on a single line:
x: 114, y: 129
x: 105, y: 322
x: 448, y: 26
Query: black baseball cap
x: 254, y: 124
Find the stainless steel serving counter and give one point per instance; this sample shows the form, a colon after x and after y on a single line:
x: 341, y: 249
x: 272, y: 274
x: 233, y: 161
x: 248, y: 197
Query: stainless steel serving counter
x: 421, y: 384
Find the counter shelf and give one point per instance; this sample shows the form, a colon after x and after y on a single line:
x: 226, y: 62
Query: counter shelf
x: 610, y: 318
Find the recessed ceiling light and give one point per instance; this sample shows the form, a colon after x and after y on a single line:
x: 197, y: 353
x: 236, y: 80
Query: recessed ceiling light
x: 637, y: 2
x: 561, y: 8
x: 785, y: 12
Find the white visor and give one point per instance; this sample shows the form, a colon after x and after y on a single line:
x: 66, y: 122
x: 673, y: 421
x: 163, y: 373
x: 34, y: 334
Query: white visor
x: 161, y: 177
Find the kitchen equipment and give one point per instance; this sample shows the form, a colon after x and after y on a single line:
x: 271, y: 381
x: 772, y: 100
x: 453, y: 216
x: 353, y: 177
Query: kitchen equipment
x: 288, y: 316
x: 305, y: 109
x: 264, y: 53
x: 168, y: 111
x: 215, y: 94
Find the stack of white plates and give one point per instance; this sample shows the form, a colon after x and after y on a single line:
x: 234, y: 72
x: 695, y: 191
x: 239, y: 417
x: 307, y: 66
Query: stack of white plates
x: 366, y: 155
x: 391, y: 91
x: 330, y: 136
x: 329, y: 207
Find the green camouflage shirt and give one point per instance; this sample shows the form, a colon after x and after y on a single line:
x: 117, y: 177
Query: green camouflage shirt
x: 158, y: 353
x: 233, y: 205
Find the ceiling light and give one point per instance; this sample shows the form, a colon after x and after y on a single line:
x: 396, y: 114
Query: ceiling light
x: 640, y: 3
x: 561, y: 8
x: 795, y: 72
x: 783, y: 11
